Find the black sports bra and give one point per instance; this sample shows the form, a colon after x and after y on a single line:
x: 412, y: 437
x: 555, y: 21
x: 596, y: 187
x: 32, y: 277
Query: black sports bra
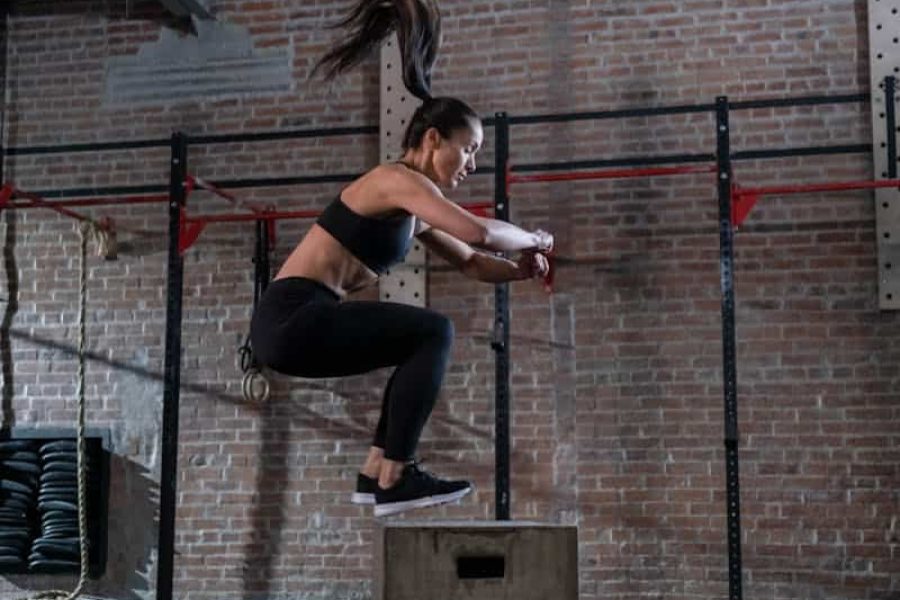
x: 377, y: 243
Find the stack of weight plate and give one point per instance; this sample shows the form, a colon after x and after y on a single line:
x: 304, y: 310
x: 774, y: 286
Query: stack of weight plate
x: 19, y: 473
x: 57, y: 547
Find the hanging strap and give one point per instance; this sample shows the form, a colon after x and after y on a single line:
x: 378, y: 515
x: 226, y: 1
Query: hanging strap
x: 254, y: 385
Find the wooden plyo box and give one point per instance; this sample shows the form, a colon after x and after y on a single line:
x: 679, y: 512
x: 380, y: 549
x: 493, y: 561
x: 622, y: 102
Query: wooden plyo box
x: 489, y: 560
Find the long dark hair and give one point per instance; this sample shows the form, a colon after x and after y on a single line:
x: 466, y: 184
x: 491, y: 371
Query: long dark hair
x: 418, y: 27
x: 444, y: 114
x: 370, y: 22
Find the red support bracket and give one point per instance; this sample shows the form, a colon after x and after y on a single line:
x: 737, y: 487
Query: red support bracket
x: 188, y: 231
x: 6, y: 193
x: 742, y: 202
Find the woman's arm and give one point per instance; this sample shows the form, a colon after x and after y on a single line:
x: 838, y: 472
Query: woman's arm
x: 479, y: 265
x: 491, y: 268
x: 419, y: 196
x: 503, y: 236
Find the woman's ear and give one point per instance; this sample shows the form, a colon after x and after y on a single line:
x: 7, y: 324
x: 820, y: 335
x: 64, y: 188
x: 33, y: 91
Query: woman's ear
x: 433, y: 138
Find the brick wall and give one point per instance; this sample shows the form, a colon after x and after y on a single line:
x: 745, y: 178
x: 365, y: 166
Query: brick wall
x: 617, y: 393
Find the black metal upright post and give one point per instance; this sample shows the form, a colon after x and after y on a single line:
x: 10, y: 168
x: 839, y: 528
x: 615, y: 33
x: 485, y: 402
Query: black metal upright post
x: 4, y: 54
x: 729, y: 350
x: 262, y: 269
x: 890, y: 114
x: 501, y: 330
x: 171, y: 392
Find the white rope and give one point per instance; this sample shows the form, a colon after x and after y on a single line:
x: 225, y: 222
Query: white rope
x: 87, y: 230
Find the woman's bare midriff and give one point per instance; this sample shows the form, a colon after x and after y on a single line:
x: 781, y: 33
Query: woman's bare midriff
x: 321, y: 257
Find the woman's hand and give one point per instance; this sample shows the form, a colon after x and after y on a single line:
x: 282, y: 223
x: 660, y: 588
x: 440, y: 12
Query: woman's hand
x: 533, y: 265
x: 543, y: 241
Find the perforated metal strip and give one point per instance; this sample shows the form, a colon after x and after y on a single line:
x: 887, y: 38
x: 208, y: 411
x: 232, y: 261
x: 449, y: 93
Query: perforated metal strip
x: 405, y: 282
x: 884, y: 50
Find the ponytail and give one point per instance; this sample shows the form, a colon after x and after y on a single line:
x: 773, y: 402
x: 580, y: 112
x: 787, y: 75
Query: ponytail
x: 370, y: 22
x: 444, y: 114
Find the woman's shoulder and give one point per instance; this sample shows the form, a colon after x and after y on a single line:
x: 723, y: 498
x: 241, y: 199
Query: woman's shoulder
x: 380, y: 190
x: 395, y: 171
x: 392, y: 180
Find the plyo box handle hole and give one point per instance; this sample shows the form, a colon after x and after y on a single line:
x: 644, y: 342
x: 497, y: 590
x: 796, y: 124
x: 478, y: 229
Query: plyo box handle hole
x: 481, y: 567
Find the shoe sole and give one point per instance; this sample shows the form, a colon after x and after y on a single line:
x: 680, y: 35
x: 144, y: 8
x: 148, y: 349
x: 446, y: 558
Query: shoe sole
x: 391, y: 508
x: 362, y: 499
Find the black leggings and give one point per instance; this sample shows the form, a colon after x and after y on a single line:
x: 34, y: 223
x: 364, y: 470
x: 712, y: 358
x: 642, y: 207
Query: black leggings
x: 301, y: 328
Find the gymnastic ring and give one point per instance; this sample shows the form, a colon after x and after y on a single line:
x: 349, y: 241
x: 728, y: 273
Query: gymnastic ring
x: 255, y: 387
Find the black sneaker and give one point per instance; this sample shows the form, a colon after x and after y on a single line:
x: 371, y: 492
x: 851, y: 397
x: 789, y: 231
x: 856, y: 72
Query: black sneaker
x: 365, y: 490
x: 416, y: 489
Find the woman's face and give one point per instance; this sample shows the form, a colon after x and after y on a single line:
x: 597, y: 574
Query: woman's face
x: 454, y: 157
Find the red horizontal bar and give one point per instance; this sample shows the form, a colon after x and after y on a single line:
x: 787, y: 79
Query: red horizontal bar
x: 40, y: 202
x: 744, y: 199
x: 817, y: 187
x: 613, y: 174
x: 98, y: 202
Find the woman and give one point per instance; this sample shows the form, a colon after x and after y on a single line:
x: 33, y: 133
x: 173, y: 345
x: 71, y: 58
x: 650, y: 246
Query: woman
x: 304, y: 327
